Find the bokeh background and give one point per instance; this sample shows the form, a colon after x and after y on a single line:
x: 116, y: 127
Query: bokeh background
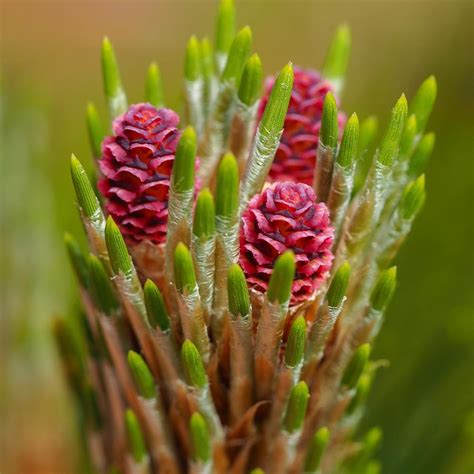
x: 50, y: 68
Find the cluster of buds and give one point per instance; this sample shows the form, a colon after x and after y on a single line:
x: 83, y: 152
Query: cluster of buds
x: 229, y: 308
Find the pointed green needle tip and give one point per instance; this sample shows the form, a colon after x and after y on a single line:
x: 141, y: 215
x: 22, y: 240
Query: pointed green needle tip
x: 227, y: 187
x: 200, y: 438
x: 86, y: 197
x: 192, y: 66
x: 413, y: 198
x: 347, y: 153
x: 141, y: 375
x: 423, y: 102
x: 225, y: 27
x: 408, y: 136
x: 119, y: 257
x: 251, y: 83
x: 329, y: 126
x: 238, y: 54
x: 207, y: 60
x: 277, y: 106
x: 238, y: 293
x: 185, y: 278
x: 362, y: 390
x: 373, y: 467
x: 281, y: 281
x: 95, y: 129
x: 384, y: 289
x: 367, y: 134
x: 316, y: 450
x: 101, y: 288
x: 192, y: 363
x: 155, y: 306
x: 77, y: 258
x: 136, y: 443
x: 338, y: 286
x: 296, y: 409
x: 356, y: 366
x: 421, y: 155
x: 296, y: 340
x: 372, y: 441
x: 204, y: 224
x: 110, y: 70
x: 391, y: 140
x: 337, y: 58
x: 184, y: 162
x: 154, y: 86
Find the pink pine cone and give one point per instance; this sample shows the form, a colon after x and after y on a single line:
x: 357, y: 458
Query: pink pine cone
x: 295, y: 158
x: 136, y: 165
x: 287, y: 216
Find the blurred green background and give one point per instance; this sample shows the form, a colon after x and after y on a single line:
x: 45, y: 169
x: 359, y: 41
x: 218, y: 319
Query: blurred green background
x: 50, y: 68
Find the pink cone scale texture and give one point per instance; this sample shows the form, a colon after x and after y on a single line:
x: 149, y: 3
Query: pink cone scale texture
x: 136, y: 166
x: 287, y: 216
x: 295, y: 158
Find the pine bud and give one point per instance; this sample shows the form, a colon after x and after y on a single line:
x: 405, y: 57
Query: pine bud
x: 338, y: 286
x: 347, y: 152
x: 112, y: 82
x: 238, y: 293
x: 239, y: 51
x: 281, y: 281
x: 88, y: 202
x: 136, y: 443
x: 423, y: 102
x: 154, y: 86
x: 192, y: 66
x: 296, y: 341
x: 277, y: 106
x: 384, y: 289
x: 296, y: 409
x: 261, y: 239
x: 225, y: 27
x: 95, y: 130
x: 356, y: 366
x: 119, y: 257
x: 101, y: 288
x: 329, y: 125
x: 193, y: 366
x: 227, y: 187
x: 78, y: 260
x: 391, y: 140
x: 421, y: 155
x: 337, y: 59
x: 204, y: 224
x: 251, y: 83
x: 413, y: 198
x: 155, y: 306
x: 184, y: 163
x: 185, y: 278
x: 316, y: 450
x: 141, y: 375
x: 200, y: 438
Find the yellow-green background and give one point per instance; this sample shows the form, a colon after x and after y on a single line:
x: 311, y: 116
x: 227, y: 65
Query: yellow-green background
x: 50, y: 68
